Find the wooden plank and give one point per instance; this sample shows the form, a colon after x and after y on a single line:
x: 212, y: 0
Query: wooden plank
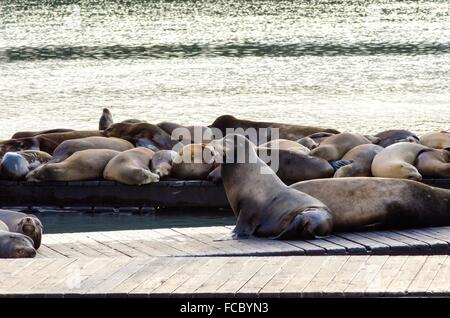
x: 324, y: 276
x: 385, y: 276
x: 365, y: 275
x: 440, y: 286
x: 350, y: 246
x: 408, y: 271
x: 425, y: 276
x: 437, y: 246
x: 374, y: 247
x: 416, y: 246
x: 396, y: 247
x: 114, y: 244
x: 345, y: 275
x: 330, y: 247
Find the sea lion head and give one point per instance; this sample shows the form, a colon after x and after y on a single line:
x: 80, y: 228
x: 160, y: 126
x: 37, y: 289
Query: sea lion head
x: 41, y: 173
x: 194, y: 161
x: 162, y: 161
x: 16, y: 245
x: 32, y: 227
x: 311, y: 223
x: 19, y: 144
x: 308, y: 142
x: 14, y: 166
x: 407, y: 171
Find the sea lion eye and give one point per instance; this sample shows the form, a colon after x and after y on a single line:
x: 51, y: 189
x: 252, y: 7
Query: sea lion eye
x: 20, y: 251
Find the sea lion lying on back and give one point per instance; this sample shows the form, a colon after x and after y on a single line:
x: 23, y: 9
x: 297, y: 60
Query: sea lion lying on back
x: 15, y: 245
x: 22, y: 223
x: 68, y: 147
x: 389, y: 137
x: 142, y: 135
x: 286, y: 131
x: 23, y: 134
x: 82, y: 165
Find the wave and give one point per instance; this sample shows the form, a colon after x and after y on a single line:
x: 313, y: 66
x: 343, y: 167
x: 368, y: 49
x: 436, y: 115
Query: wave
x: 26, y: 53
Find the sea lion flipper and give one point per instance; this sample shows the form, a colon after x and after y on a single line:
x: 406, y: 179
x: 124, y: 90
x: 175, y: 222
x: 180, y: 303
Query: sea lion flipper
x: 336, y: 164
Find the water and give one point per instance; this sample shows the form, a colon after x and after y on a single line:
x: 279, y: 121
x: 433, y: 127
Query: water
x: 72, y: 222
x: 353, y: 65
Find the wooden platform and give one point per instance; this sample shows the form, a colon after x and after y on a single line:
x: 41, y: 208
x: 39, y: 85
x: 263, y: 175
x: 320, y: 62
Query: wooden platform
x: 206, y: 241
x: 190, y: 262
x: 193, y: 193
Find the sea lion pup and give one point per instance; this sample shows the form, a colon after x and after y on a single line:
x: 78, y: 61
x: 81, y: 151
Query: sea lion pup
x: 161, y: 163
x: 82, y: 165
x: 187, y: 134
x: 194, y: 162
x: 396, y: 161
x: 392, y: 136
x: 361, y: 157
x: 23, y: 223
x: 286, y: 131
x: 286, y: 145
x: 142, y: 135
x: 105, y: 120
x: 434, y: 163
x: 263, y: 204
x: 437, y: 140
x: 336, y: 146
x: 23, y: 134
x: 359, y: 204
x: 131, y: 167
x: 15, y: 245
x: 68, y: 147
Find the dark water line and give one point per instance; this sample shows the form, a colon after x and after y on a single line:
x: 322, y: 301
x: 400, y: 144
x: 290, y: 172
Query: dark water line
x: 227, y: 50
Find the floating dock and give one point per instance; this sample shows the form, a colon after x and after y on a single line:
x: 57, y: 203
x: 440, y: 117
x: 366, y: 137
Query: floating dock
x: 169, y: 194
x: 171, y: 263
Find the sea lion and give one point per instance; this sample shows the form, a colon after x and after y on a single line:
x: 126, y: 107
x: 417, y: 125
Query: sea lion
x: 389, y: 137
x: 44, y: 142
x: 131, y: 167
x: 14, y: 166
x: 142, y: 134
x: 294, y: 166
x: 161, y: 163
x: 22, y: 223
x: 68, y: 147
x: 35, y: 157
x: 106, y: 119
x: 82, y: 165
x: 434, y: 163
x: 263, y: 204
x: 359, y: 204
x: 396, y: 161
x: 23, y: 134
x: 15, y: 245
x: 336, y: 146
x: 194, y: 162
x: 187, y: 134
x: 286, y: 145
x: 437, y: 140
x: 286, y: 131
x: 361, y: 157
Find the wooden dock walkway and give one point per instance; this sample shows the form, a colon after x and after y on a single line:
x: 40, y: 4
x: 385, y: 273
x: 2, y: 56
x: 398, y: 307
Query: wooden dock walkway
x: 191, y: 262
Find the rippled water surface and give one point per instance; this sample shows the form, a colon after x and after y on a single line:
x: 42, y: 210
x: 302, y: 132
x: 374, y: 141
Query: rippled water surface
x: 353, y: 65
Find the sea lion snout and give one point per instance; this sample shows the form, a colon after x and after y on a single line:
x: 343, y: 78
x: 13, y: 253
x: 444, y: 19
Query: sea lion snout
x: 310, y: 224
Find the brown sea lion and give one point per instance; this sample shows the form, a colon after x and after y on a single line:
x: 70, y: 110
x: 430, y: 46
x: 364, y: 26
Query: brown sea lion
x: 263, y: 204
x: 188, y: 134
x: 194, y: 162
x: 105, y: 120
x: 26, y: 224
x: 131, y: 167
x: 286, y: 131
x: 142, y: 134
x: 35, y: 157
x: 286, y: 145
x: 313, y: 141
x: 16, y: 165
x: 68, y: 147
x: 434, y: 163
x: 336, y: 146
x: 15, y: 245
x: 397, y: 161
x: 82, y: 165
x: 359, y: 204
x: 361, y: 157
x: 23, y: 134
x: 437, y: 139
x: 161, y: 163
x: 389, y: 137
